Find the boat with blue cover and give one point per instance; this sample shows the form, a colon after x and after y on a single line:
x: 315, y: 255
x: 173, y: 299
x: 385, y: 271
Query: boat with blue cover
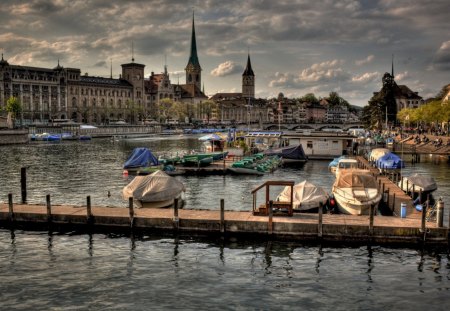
x: 289, y: 154
x: 142, y: 159
x: 389, y: 162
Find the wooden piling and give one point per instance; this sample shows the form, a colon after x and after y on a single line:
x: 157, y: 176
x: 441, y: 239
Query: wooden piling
x: 88, y: 210
x: 371, y: 214
x: 23, y: 184
x: 11, y: 207
x: 131, y: 211
x: 320, y: 224
x: 440, y: 213
x: 222, y: 216
x: 424, y: 219
x: 49, y: 208
x: 270, y: 223
x: 176, y: 220
x: 393, y: 202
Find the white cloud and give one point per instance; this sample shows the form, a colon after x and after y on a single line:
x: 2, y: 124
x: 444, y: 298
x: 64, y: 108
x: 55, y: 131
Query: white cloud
x: 225, y: 69
x: 324, y: 71
x: 401, y: 76
x: 367, y: 77
x: 367, y: 60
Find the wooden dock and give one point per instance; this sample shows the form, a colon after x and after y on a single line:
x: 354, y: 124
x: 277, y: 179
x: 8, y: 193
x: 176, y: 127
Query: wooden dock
x: 411, y: 230
x: 301, y: 226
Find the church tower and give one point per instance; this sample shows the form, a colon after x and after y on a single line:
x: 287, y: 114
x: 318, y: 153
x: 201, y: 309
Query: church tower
x: 193, y: 69
x: 248, y: 81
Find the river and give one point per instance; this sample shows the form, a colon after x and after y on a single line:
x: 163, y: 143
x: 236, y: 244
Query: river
x: 70, y: 271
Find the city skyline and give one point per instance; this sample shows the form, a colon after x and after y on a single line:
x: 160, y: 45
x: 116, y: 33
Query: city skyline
x: 296, y: 47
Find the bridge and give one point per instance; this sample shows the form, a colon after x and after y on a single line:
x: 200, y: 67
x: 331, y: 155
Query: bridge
x: 312, y: 126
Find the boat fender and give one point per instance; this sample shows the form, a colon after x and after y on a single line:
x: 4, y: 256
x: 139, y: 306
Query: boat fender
x: 125, y: 173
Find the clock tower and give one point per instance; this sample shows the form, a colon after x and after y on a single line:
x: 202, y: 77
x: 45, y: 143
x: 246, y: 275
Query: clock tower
x: 248, y: 81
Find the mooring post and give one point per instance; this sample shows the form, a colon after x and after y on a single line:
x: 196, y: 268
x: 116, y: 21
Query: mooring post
x: 393, y: 202
x: 222, y: 216
x: 176, y: 220
x: 424, y: 219
x: 387, y: 197
x: 49, y: 209
x: 11, y: 208
x: 440, y: 213
x: 23, y: 184
x: 131, y: 210
x: 413, y: 191
x: 371, y: 213
x: 320, y: 226
x: 270, y: 224
x: 88, y: 210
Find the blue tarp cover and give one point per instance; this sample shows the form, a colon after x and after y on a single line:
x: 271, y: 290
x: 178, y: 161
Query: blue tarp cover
x: 390, y: 161
x: 140, y: 157
x: 294, y: 152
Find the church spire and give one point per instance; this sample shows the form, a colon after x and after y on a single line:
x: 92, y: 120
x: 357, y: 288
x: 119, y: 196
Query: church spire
x: 248, y: 70
x: 193, y: 68
x: 392, y: 70
x: 193, y: 58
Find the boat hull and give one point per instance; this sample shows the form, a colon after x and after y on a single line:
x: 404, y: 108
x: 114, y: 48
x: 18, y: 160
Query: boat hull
x: 351, y: 205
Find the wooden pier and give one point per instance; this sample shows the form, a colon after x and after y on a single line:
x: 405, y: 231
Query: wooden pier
x: 411, y: 230
x: 301, y: 226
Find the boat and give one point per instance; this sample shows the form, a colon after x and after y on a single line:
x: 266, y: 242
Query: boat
x: 290, y: 154
x: 333, y: 164
x: 155, y: 190
x: 417, y: 183
x: 307, y: 196
x: 344, y: 164
x: 355, y: 190
x: 389, y: 162
x: 377, y: 153
x: 141, y: 159
x: 212, y: 142
x: 196, y: 160
x: 257, y: 164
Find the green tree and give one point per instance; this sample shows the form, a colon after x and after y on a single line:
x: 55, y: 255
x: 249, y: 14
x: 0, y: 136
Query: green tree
x: 208, y: 108
x: 13, y: 108
x: 309, y: 98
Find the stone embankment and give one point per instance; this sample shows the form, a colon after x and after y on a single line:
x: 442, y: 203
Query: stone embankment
x: 427, y: 144
x: 11, y: 137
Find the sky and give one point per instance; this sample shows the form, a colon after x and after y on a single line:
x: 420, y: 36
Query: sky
x: 296, y: 46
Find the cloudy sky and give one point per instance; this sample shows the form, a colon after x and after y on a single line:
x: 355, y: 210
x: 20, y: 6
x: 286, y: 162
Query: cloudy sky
x: 296, y: 46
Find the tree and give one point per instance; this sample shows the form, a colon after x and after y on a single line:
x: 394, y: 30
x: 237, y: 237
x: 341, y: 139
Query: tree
x: 309, y: 98
x: 208, y: 107
x: 13, y: 107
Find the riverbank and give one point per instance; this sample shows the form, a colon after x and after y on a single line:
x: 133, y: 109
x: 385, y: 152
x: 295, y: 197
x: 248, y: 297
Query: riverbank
x: 423, y: 144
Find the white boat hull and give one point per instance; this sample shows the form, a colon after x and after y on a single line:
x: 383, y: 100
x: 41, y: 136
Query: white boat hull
x: 354, y: 203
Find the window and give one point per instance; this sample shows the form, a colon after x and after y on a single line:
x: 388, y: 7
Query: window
x: 309, y: 144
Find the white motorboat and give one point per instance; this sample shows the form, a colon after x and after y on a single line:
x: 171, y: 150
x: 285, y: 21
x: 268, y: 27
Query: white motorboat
x: 155, y: 190
x: 355, y: 190
x: 345, y: 164
x: 306, y: 196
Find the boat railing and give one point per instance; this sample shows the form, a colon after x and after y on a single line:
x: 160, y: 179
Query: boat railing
x: 264, y: 209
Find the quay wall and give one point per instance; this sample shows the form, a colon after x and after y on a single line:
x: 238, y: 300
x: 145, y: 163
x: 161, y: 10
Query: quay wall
x: 11, y: 137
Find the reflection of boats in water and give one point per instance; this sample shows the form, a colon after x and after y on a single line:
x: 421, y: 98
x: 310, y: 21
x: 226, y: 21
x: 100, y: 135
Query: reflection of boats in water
x: 417, y: 183
x: 355, y: 190
x: 155, y: 190
x: 306, y: 196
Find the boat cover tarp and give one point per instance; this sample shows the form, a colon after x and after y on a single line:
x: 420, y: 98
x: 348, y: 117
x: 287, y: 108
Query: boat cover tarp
x: 294, y: 152
x: 140, y: 157
x: 427, y: 183
x: 390, y: 161
x: 306, y: 195
x: 155, y: 187
x: 210, y: 137
x: 377, y: 153
x: 355, y: 178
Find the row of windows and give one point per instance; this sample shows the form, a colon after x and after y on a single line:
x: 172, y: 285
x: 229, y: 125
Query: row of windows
x: 100, y: 92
